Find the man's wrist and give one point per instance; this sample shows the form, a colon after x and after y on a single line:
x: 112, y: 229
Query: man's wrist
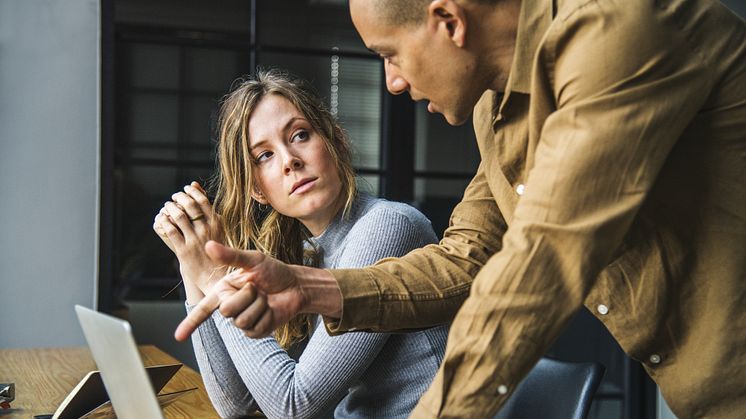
x: 320, y: 292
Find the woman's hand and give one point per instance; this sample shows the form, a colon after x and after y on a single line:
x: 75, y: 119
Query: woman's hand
x: 185, y: 225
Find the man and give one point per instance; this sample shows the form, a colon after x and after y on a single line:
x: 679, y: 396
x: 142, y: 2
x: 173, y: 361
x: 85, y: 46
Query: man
x: 613, y: 175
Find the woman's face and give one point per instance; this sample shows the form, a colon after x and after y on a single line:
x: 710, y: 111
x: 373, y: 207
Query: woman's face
x: 293, y: 170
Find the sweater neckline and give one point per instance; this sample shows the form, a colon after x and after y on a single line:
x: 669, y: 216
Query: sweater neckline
x: 332, y: 237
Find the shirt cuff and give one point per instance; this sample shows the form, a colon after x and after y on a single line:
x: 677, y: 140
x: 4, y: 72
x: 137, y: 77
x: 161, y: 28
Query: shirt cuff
x: 361, y: 301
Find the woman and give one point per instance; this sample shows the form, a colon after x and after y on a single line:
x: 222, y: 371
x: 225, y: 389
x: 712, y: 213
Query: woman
x: 286, y: 161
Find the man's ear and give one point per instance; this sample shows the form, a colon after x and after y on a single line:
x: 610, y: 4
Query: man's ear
x: 259, y: 196
x: 449, y: 16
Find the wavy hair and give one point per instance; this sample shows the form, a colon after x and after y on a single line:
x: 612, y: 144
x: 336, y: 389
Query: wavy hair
x: 246, y: 224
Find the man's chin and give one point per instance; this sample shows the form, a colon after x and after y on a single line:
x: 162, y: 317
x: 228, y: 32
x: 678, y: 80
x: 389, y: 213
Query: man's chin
x: 456, y: 120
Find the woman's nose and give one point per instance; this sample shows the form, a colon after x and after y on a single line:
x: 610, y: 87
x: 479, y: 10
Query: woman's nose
x: 292, y: 162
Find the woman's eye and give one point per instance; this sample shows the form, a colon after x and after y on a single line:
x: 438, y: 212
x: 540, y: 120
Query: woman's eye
x: 263, y: 156
x: 301, y: 135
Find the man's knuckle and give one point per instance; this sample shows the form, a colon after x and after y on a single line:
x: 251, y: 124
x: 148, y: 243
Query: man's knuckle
x: 249, y: 292
x: 262, y: 303
x: 241, y: 322
x: 225, y: 310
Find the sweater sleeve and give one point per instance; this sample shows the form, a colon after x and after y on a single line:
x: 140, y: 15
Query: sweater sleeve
x: 228, y: 394
x: 329, y: 365
x: 388, y: 230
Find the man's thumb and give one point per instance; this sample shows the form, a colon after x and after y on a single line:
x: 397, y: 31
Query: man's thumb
x: 228, y: 256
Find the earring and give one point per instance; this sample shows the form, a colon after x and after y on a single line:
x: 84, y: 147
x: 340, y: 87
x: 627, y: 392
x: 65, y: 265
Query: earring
x: 262, y: 207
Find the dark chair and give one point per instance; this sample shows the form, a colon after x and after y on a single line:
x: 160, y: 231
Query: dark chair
x: 554, y: 389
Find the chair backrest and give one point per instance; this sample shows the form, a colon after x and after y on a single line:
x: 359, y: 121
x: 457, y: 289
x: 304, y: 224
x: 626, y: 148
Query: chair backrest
x: 554, y: 389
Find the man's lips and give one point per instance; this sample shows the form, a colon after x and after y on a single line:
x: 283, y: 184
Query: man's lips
x: 302, y: 185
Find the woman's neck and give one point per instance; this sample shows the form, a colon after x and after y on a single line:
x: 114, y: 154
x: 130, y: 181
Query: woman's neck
x: 317, y: 225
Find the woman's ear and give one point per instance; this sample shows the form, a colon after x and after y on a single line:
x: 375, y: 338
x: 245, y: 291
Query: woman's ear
x: 259, y: 196
x: 449, y: 16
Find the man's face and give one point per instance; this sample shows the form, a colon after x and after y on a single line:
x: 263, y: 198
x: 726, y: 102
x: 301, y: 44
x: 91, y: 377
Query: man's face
x: 421, y: 60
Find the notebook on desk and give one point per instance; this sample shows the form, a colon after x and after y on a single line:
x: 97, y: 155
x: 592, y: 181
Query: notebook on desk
x: 132, y: 389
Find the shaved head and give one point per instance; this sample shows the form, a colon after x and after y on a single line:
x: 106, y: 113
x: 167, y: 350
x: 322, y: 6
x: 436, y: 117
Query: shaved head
x: 406, y: 12
x: 432, y: 60
x: 402, y: 12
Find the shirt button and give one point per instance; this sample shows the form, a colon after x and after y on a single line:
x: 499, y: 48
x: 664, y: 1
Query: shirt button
x: 602, y: 309
x: 655, y: 359
x: 520, y: 188
x: 502, y: 389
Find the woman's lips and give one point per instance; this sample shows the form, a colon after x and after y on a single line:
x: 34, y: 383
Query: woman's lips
x: 303, y: 186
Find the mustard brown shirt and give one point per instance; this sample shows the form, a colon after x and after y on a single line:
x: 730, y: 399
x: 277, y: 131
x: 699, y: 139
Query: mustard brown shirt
x: 613, y: 175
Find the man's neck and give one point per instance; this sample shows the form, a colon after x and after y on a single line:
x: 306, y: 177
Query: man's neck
x: 495, y: 27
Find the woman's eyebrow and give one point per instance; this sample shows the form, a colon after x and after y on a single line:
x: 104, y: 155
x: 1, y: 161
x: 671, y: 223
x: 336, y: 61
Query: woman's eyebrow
x: 286, y: 128
x: 251, y: 147
x: 291, y: 121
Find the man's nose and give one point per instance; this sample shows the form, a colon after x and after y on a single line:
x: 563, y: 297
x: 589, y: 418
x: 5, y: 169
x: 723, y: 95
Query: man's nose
x: 395, y: 83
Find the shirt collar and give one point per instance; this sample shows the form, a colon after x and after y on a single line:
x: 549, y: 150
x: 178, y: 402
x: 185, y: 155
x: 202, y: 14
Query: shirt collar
x: 533, y: 22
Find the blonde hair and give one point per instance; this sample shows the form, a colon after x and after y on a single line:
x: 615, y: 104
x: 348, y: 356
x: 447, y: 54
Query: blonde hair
x: 246, y: 224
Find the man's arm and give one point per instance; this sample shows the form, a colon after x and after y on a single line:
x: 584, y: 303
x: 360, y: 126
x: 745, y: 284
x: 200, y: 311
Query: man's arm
x: 284, y: 291
x: 626, y: 84
x: 427, y: 286
x: 439, y: 276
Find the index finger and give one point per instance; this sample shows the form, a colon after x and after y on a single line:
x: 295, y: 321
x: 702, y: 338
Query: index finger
x: 199, y: 313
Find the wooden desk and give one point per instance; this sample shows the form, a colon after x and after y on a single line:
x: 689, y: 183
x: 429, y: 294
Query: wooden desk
x: 43, y: 378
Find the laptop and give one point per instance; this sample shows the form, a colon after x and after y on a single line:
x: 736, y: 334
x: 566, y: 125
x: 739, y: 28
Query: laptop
x: 113, y: 347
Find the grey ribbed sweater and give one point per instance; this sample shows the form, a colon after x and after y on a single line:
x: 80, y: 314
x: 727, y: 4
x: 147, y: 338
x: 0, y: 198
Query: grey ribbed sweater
x: 366, y: 375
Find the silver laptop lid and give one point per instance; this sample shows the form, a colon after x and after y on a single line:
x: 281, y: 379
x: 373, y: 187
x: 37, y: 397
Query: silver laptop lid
x: 114, y: 350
